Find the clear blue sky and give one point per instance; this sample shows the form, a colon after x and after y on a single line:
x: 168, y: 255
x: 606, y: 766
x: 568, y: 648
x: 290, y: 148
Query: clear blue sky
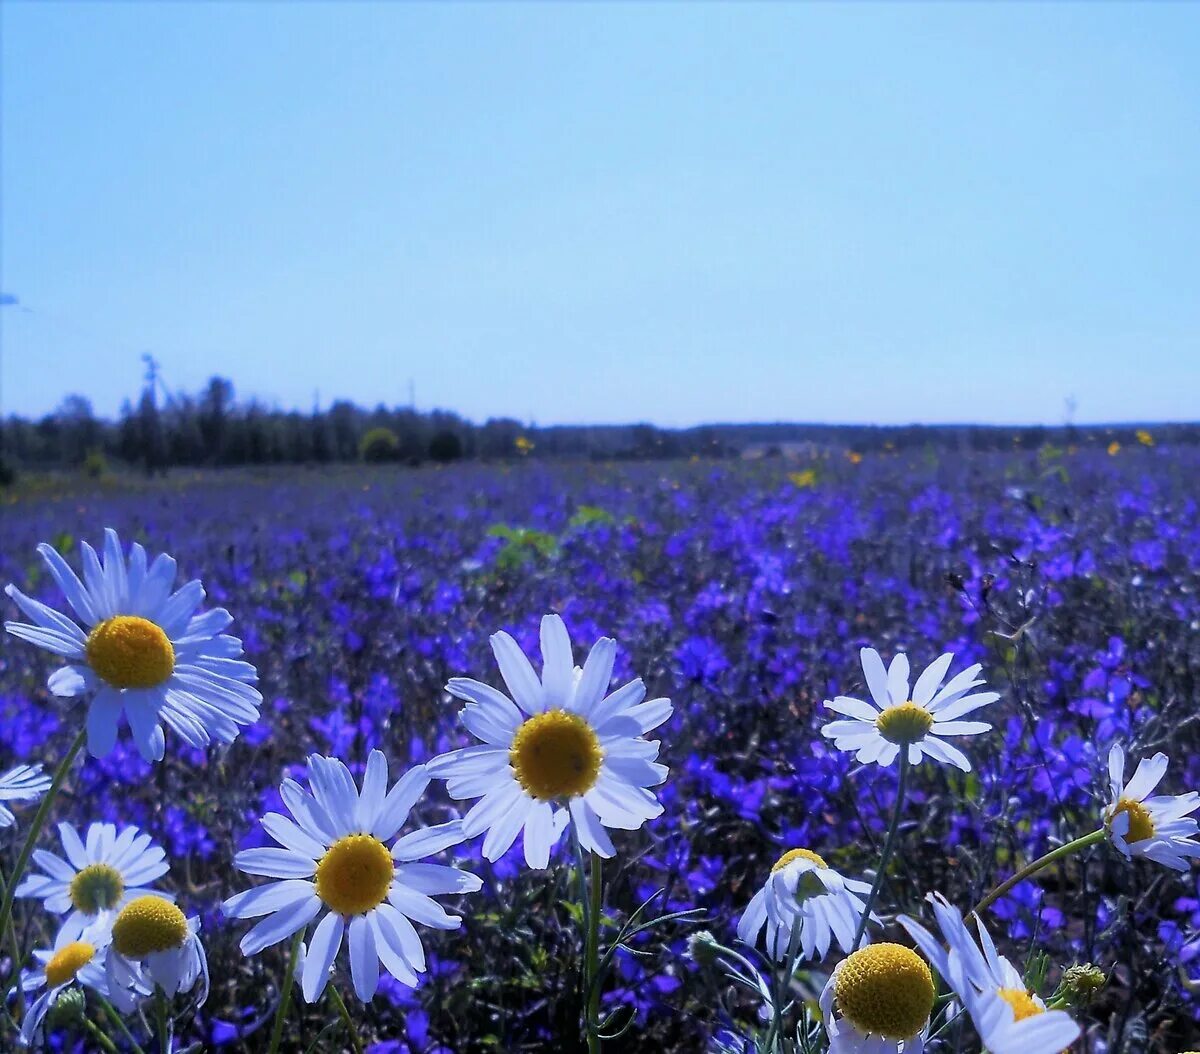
x: 609, y: 213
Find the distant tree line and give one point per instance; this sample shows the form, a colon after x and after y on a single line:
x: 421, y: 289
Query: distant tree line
x: 214, y: 428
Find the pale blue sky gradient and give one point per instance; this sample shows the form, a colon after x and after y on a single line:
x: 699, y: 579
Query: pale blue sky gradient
x: 675, y: 213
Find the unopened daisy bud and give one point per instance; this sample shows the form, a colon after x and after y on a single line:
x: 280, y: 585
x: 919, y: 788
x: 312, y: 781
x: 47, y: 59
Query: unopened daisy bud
x: 1081, y: 983
x: 703, y: 948
x: 67, y: 1011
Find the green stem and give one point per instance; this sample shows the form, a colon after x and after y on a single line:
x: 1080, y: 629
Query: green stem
x: 119, y: 1021
x: 285, y: 996
x: 1037, y: 865
x: 347, y: 1020
x: 100, y: 1037
x: 592, y: 961
x: 14, y: 949
x: 35, y: 829
x: 889, y: 844
x: 164, y: 1028
x: 783, y: 985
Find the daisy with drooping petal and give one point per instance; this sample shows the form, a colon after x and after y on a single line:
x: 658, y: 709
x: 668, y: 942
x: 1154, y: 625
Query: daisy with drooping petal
x: 561, y: 747
x: 1158, y: 828
x: 154, y: 945
x: 1008, y: 1017
x: 878, y: 1001
x: 333, y: 859
x: 915, y: 720
x: 803, y: 891
x: 23, y: 783
x: 99, y: 876
x: 141, y: 650
x: 71, y: 960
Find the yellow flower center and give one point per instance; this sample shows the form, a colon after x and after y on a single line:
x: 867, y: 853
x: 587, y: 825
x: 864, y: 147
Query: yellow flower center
x: 1141, y: 826
x: 885, y: 990
x: 556, y: 755
x: 148, y: 925
x: 906, y: 723
x: 798, y: 854
x: 68, y: 961
x: 355, y: 874
x: 1021, y: 1002
x: 130, y: 652
x: 97, y: 887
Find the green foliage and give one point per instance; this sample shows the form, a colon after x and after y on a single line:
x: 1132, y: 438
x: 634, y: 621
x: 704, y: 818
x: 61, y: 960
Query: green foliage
x: 445, y: 446
x: 379, y: 445
x: 590, y: 515
x: 95, y: 464
x: 522, y: 546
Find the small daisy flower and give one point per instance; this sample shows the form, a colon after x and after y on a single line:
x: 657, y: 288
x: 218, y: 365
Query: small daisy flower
x: 915, y: 720
x: 154, y: 945
x: 71, y: 961
x: 99, y: 876
x: 141, y: 650
x: 1158, y: 828
x: 562, y: 747
x: 802, y: 890
x: 1008, y: 1017
x: 878, y: 1001
x: 334, y: 859
x: 23, y: 783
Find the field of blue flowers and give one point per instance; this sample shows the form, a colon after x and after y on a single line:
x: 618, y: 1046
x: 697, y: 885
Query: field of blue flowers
x: 744, y: 593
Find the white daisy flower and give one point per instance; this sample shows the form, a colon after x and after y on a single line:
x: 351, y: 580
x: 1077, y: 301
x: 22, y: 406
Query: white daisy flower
x: 23, y: 783
x: 1158, y: 828
x: 561, y: 746
x: 154, y: 945
x: 802, y: 890
x: 99, y: 876
x: 334, y: 860
x: 141, y: 650
x: 916, y: 719
x: 72, y: 960
x: 878, y: 1001
x: 1009, y: 1018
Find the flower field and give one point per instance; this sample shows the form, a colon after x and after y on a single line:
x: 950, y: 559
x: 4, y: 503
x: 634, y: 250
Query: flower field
x: 745, y: 594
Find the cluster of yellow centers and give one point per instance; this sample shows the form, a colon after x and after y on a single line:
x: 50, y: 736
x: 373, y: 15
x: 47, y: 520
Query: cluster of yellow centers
x: 355, y: 874
x: 68, y: 961
x: 147, y: 925
x: 885, y: 990
x: 1141, y: 826
x: 906, y: 723
x: 97, y: 887
x: 556, y: 755
x: 128, y: 651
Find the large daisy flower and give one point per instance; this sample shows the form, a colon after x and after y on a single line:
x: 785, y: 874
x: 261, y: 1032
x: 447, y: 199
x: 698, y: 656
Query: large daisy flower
x: 878, y: 1001
x: 915, y: 720
x: 141, y: 650
x: 1009, y: 1018
x: 155, y: 946
x: 1158, y: 828
x: 563, y: 745
x: 803, y: 891
x: 334, y: 859
x: 72, y: 960
x: 101, y: 874
x: 23, y: 783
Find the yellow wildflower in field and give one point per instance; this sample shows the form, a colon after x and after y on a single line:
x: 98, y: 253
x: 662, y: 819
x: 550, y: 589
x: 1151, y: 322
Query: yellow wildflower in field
x: 1114, y: 448
x: 805, y: 478
x: 854, y: 457
x: 1144, y: 437
x: 523, y: 445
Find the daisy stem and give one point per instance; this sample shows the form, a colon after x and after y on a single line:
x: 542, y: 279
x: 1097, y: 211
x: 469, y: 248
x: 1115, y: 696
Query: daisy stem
x: 783, y: 986
x: 14, y: 948
x: 100, y: 1037
x: 285, y: 996
x: 1041, y: 862
x: 347, y: 1020
x: 117, y: 1020
x: 35, y: 829
x: 593, y: 957
x: 162, y: 1021
x: 889, y: 844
